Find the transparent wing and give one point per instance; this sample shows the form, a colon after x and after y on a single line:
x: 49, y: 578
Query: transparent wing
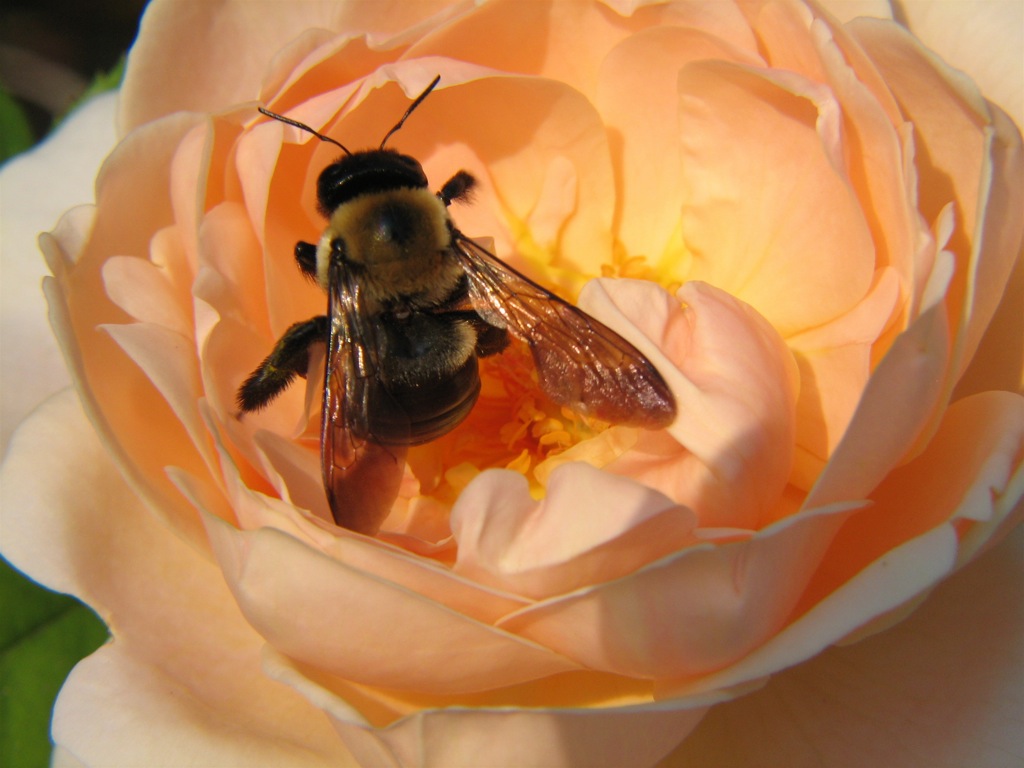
x: 361, y: 478
x: 581, y: 363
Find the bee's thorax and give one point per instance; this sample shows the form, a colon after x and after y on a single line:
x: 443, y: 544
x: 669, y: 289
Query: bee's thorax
x: 398, y: 240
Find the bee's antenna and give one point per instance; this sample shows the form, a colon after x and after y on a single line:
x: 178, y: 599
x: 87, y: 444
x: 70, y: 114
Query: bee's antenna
x: 307, y: 129
x: 409, y: 111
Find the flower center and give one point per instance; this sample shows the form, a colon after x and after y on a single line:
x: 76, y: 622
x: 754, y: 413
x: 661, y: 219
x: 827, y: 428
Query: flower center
x: 512, y: 426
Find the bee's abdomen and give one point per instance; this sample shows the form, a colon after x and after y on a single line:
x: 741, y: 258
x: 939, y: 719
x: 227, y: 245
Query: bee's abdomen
x: 428, y: 379
x: 406, y: 415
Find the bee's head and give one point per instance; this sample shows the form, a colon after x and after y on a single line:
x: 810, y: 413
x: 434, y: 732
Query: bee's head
x: 360, y: 173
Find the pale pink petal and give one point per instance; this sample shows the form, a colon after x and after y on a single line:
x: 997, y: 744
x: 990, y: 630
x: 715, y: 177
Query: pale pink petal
x: 141, y: 458
x: 402, y: 640
x: 590, y: 527
x: 844, y: 10
x: 964, y: 476
x: 879, y: 159
x: 886, y: 555
x: 138, y: 169
x: 983, y: 39
x: 489, y: 732
x: 181, y: 682
x: 35, y: 189
x: 782, y: 31
x: 371, y: 556
x: 691, y: 612
x: 567, y: 42
x: 471, y: 737
x: 942, y: 690
x: 144, y: 290
x: 533, y: 138
x: 998, y: 239
x: 976, y: 167
x: 735, y: 385
x: 835, y: 362
x: 62, y: 758
x: 902, y: 575
x: 999, y: 360
x: 900, y: 406
x: 235, y: 39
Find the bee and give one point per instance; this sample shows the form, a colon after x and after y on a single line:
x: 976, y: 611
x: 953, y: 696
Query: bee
x: 412, y: 305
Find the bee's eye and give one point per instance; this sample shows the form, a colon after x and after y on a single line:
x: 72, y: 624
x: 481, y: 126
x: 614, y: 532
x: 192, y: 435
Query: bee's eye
x: 338, y: 246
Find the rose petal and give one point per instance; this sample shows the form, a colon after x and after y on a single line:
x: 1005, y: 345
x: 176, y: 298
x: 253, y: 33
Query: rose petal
x: 62, y: 758
x: 691, y: 612
x: 499, y: 734
x: 899, y: 576
x: 941, y: 689
x: 139, y: 169
x: 999, y: 360
x: 224, y: 37
x: 880, y: 160
x: 845, y: 10
x: 735, y: 384
x: 591, y: 526
x: 738, y: 127
x: 951, y: 119
x: 899, y: 406
x: 835, y: 362
x: 143, y: 290
x: 184, y: 667
x: 403, y: 640
x: 35, y: 188
x: 979, y: 38
x: 638, y: 95
x: 963, y: 475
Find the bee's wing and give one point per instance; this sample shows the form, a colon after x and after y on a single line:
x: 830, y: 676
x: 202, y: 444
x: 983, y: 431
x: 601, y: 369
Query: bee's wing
x: 582, y: 363
x: 360, y: 477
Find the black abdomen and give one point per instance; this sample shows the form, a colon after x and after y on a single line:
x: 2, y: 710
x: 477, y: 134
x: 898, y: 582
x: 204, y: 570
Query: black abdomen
x: 428, y: 380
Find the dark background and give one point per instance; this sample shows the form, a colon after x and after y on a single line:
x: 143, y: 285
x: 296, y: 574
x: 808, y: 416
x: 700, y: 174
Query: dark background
x: 51, y: 50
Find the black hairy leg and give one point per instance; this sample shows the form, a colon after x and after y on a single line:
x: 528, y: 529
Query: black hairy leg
x: 305, y: 257
x: 288, y: 359
x: 457, y: 187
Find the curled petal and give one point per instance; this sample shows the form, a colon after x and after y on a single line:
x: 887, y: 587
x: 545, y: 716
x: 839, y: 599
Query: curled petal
x: 898, y: 406
x: 735, y: 385
x: 591, y: 526
x: 971, y: 475
x: 691, y: 612
x: 403, y: 640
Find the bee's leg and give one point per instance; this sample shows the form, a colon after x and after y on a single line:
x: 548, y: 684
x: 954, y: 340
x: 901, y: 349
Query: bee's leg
x: 489, y: 339
x: 305, y: 256
x: 290, y: 357
x: 457, y: 187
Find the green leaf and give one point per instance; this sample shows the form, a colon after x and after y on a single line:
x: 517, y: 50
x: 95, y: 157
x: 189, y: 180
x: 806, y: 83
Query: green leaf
x: 42, y: 636
x: 15, y: 130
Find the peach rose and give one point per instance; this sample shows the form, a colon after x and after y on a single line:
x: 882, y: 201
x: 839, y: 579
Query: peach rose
x: 812, y: 229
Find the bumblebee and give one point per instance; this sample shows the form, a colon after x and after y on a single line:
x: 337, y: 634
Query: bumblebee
x: 412, y: 305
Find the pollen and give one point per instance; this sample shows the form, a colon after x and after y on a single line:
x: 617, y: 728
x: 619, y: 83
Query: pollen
x: 530, y: 427
x: 513, y: 426
x: 623, y: 264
